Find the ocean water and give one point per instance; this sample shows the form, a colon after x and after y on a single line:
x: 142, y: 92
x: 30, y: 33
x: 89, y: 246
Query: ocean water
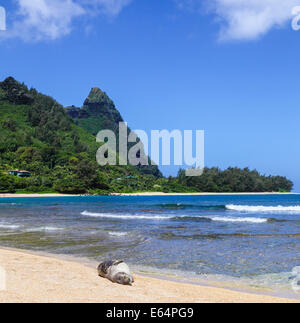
x: 238, y: 241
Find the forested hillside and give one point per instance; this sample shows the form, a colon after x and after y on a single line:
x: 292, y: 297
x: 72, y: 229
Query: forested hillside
x: 235, y: 180
x: 36, y: 134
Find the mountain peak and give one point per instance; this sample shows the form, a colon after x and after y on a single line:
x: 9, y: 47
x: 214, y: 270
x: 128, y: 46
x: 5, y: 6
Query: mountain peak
x: 97, y: 96
x: 103, y: 111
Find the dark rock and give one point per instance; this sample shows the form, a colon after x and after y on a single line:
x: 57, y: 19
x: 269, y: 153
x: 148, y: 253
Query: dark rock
x: 77, y: 113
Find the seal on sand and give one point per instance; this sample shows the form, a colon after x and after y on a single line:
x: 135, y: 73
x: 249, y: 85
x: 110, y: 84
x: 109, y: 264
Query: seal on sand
x: 116, y: 271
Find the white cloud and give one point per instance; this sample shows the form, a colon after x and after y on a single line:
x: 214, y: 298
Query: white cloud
x: 245, y: 19
x: 249, y: 19
x: 36, y: 20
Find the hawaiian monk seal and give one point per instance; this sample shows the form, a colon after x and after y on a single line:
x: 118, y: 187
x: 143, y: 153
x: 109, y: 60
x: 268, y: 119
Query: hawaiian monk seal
x: 116, y: 271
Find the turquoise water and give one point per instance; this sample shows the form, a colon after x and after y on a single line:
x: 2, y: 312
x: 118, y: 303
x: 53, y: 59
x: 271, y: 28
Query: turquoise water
x: 242, y: 240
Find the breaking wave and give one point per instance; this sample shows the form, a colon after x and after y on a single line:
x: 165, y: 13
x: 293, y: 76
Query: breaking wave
x: 124, y: 217
x: 260, y: 208
x: 117, y: 234
x: 239, y: 220
x: 177, y: 218
x: 9, y: 226
x: 44, y: 229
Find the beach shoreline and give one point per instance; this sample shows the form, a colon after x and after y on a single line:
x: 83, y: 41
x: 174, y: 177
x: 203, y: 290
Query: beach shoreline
x: 12, y: 195
x: 198, y: 194
x: 32, y: 277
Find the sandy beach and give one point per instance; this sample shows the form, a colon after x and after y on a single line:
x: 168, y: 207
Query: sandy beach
x: 34, y: 278
x: 10, y: 195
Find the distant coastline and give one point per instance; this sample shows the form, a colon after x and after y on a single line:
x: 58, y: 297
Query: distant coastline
x: 200, y: 194
x: 11, y: 195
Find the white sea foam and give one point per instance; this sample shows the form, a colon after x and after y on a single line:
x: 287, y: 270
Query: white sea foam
x: 9, y: 226
x: 143, y: 217
x: 44, y: 229
x: 260, y: 208
x: 124, y: 216
x: 295, y: 279
x: 296, y: 271
x: 296, y: 285
x: 241, y: 220
x: 117, y: 234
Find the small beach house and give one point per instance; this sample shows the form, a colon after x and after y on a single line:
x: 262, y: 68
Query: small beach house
x: 19, y: 173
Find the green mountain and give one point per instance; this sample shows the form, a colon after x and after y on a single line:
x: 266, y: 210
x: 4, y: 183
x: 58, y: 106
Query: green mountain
x: 58, y: 146
x: 38, y: 135
x: 99, y: 113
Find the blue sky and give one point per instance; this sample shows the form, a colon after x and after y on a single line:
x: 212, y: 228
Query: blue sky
x: 228, y: 67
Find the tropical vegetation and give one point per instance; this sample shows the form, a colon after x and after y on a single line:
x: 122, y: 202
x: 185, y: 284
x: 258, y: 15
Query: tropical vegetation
x: 57, y: 145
